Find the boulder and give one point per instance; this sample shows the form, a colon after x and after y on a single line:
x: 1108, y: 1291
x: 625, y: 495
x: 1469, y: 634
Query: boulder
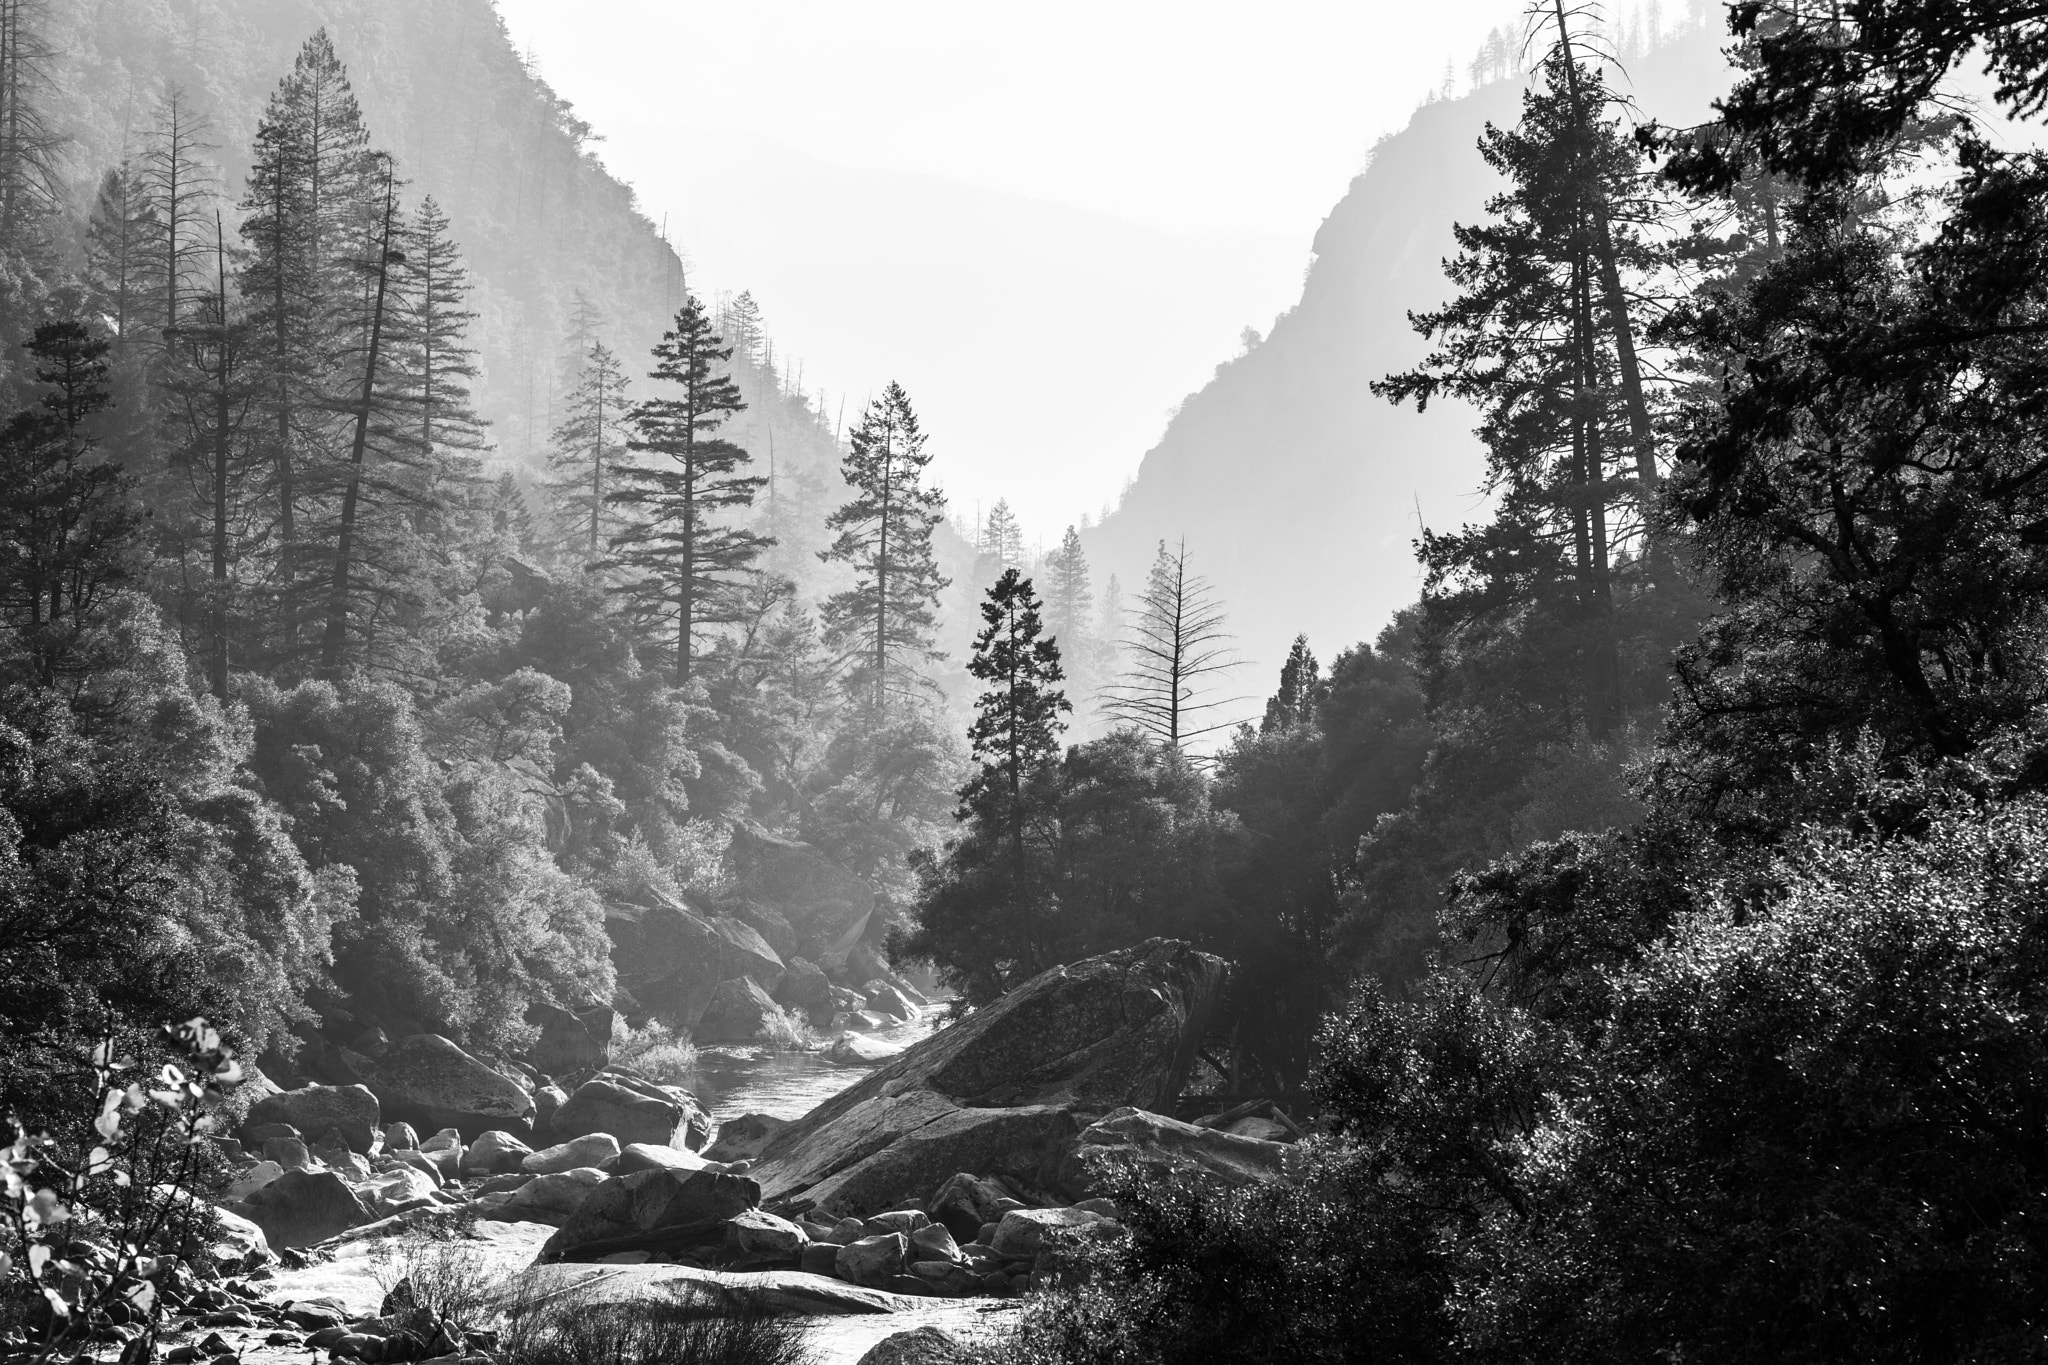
x: 288, y: 1152
x: 645, y: 1156
x: 336, y: 1155
x: 1022, y: 1233
x: 1165, y: 1145
x: 884, y: 997
x: 422, y: 1163
x: 400, y: 1137
x: 867, y: 1020
x: 851, y: 1049
x: 822, y: 900
x: 656, y: 1210
x: 742, y: 1139
x: 748, y: 955
x: 779, y: 1293
x: 496, y: 1153
x: 429, y: 1081
x: 547, y: 1101
x: 669, y: 959
x: 1252, y: 1126
x: 315, y: 1109
x: 401, y: 1187
x: 1005, y: 1091
x: 300, y: 1208
x: 238, y: 1241
x: 551, y: 1198
x: 934, y: 1243
x: 612, y: 1104
x: 740, y: 1012
x: 919, y: 1346
x: 592, y: 1149
x: 965, y: 1202
x: 805, y: 987
x: 252, y: 1178
x: 819, y: 1258
x: 771, y: 924
x: 872, y: 1261
x: 761, y: 1236
x: 573, y: 1041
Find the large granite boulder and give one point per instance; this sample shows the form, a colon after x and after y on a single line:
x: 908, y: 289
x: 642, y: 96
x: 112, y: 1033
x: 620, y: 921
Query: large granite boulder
x: 805, y: 987
x: 919, y: 1346
x: 740, y: 1012
x: 655, y: 1211
x: 1007, y: 1090
x: 747, y: 954
x: 670, y: 959
x: 430, y: 1082
x: 572, y: 1041
x: 1168, y: 1146
x: 300, y: 1208
x: 823, y: 901
x: 632, y: 1110
x: 316, y: 1110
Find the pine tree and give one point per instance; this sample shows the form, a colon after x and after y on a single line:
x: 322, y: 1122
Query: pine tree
x: 1177, y: 648
x: 588, y: 448
x: 178, y: 188
x: 117, y: 266
x: 681, y: 561
x: 1002, y: 539
x: 29, y: 180
x: 1017, y: 725
x: 1301, y: 686
x: 1069, y: 600
x: 438, y: 358
x: 884, y: 623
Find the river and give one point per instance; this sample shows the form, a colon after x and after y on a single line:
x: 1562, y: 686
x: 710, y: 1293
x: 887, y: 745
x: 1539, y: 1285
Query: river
x: 730, y: 1080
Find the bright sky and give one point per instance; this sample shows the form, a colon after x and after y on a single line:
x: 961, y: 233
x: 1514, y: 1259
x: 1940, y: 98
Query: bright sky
x: 988, y: 202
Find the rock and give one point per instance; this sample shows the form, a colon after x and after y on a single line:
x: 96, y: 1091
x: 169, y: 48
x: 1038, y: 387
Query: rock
x: 315, y: 1109
x: 698, y: 1126
x: 670, y: 960
x: 420, y: 1161
x: 748, y: 955
x: 763, y: 1235
x: 1106, y: 1207
x: 592, y: 1149
x: 966, y: 1202
x: 300, y: 1208
x: 905, y: 1221
x: 288, y: 1152
x: 827, y: 906
x: 1252, y: 1126
x: 933, y: 1243
x: 599, y: 1288
x: 497, y: 1153
x: 849, y: 1230
x: 819, y: 1258
x: 426, y: 1079
x: 645, y: 1156
x: 254, y: 1135
x: 919, y: 1346
x: 238, y: 1242
x: 868, y: 1020
x: 851, y: 1049
x: 502, y: 1184
x: 1007, y: 1090
x: 609, y: 1104
x: 743, y: 1138
x: 658, y: 1210
x: 884, y: 998
x: 740, y: 1011
x: 252, y: 1179
x: 574, y: 1041
x: 872, y: 1261
x: 947, y: 1277
x: 805, y: 987
x: 1168, y: 1145
x: 400, y: 1137
x: 547, y: 1101
x: 397, y: 1189
x: 551, y: 1198
x: 1023, y: 1231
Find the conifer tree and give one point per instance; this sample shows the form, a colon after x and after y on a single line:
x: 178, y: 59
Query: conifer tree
x: 1017, y: 725
x: 178, y: 188
x: 884, y: 623
x: 1069, y: 599
x: 438, y: 357
x: 117, y: 266
x: 29, y: 182
x: 1177, y: 648
x: 1002, y: 539
x: 588, y: 449
x: 681, y: 560
x: 1300, y: 685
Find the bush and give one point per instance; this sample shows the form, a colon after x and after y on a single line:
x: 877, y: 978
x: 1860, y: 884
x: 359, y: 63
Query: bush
x: 555, y: 1331
x: 657, y: 1052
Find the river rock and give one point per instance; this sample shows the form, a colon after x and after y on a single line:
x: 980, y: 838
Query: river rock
x: 1166, y: 1145
x: 851, y: 1049
x: 596, y: 1288
x: 551, y: 1198
x: 315, y: 1109
x: 740, y: 1012
x: 965, y: 1202
x: 933, y: 1243
x: 288, y: 1152
x: 743, y: 1138
x: 748, y: 955
x: 669, y: 958
x: 592, y: 1149
x: 613, y: 1105
x: 658, y: 1210
x: 400, y: 1187
x: 919, y: 1346
x: 400, y: 1137
x: 1007, y: 1090
x: 872, y: 1261
x: 573, y: 1040
x: 300, y: 1208
x: 1023, y: 1231
x: 429, y: 1081
x: 547, y: 1101
x: 805, y: 987
x: 498, y: 1153
x: 827, y: 905
x: 884, y: 998
x: 645, y: 1156
x: 757, y: 1233
x: 250, y: 1179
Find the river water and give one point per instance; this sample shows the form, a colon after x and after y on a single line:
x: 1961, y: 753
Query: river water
x: 731, y: 1080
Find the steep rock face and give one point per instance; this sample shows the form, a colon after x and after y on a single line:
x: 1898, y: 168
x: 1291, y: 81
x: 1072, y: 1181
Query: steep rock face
x: 1006, y: 1091
x: 821, y: 900
x: 1299, y: 492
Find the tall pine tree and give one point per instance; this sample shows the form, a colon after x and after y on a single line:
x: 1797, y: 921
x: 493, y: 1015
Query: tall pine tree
x: 588, y: 449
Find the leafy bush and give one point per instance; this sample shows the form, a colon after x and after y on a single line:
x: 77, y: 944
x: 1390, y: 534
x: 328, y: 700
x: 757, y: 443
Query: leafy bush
x: 657, y: 1052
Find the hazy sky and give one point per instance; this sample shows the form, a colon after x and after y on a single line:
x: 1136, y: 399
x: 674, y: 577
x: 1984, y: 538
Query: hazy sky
x: 987, y: 201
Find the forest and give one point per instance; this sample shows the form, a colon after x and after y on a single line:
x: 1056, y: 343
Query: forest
x: 1644, y: 922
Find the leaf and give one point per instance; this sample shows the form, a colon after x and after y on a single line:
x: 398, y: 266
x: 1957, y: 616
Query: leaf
x: 38, y: 1257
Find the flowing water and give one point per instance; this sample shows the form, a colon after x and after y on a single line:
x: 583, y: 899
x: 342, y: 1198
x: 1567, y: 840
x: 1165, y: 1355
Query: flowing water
x: 731, y: 1080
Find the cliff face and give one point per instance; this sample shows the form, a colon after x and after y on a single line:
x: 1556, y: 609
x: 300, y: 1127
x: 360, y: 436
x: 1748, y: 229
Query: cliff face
x: 1300, y: 494
x: 538, y: 217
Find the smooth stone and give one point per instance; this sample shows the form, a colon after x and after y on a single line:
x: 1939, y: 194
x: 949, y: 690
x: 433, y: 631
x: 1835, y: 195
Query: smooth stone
x: 592, y: 1149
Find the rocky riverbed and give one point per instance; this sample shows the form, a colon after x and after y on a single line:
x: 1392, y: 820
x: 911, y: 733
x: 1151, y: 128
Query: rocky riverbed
x: 935, y: 1191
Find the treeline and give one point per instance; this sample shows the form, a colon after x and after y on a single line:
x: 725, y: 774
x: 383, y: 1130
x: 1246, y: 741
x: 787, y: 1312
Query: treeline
x: 1742, y: 1060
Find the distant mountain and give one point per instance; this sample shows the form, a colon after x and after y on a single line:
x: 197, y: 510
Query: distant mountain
x: 1300, y: 493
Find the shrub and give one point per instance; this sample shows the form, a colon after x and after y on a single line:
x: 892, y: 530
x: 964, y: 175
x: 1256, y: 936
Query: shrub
x: 657, y: 1052
x: 555, y: 1331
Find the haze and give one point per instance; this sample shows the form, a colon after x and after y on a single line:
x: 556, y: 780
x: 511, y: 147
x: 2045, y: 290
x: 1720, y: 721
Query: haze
x: 971, y: 201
